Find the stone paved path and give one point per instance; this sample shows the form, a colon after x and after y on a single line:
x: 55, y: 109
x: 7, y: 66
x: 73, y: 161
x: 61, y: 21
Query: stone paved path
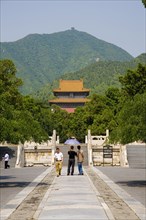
x: 71, y: 197
x: 133, y: 181
x: 92, y: 196
x: 14, y: 180
x: 30, y: 204
x: 118, y: 207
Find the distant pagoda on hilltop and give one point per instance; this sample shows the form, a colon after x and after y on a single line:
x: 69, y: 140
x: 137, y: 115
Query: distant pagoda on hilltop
x: 70, y: 95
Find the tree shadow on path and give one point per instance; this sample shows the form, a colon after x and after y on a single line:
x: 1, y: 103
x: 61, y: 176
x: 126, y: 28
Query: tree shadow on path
x: 6, y: 177
x: 19, y: 184
x: 135, y: 183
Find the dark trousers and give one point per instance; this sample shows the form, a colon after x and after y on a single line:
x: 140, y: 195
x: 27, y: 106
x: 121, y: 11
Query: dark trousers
x: 71, y: 164
x: 6, y: 165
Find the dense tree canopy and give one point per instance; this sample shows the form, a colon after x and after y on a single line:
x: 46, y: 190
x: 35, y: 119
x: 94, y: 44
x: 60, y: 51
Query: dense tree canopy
x: 134, y: 81
x: 122, y: 111
x: 17, y: 120
x: 131, y: 119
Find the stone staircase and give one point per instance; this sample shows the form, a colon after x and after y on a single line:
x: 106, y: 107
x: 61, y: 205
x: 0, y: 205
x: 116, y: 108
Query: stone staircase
x: 12, y: 151
x: 136, y: 155
x: 65, y: 148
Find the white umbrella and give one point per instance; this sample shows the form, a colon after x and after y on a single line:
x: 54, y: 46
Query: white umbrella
x: 72, y: 141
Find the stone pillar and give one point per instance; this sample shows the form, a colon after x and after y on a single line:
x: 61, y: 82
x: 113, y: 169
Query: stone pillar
x: 89, y: 146
x: 57, y: 140
x: 86, y: 139
x: 20, y: 156
x: 123, y: 156
x: 53, y: 145
x: 107, y: 135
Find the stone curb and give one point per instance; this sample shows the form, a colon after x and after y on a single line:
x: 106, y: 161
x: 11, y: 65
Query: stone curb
x: 135, y: 205
x: 12, y: 205
x: 104, y: 205
x: 43, y: 202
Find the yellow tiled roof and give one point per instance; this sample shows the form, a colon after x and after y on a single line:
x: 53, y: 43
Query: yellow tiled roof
x: 71, y: 86
x: 68, y: 100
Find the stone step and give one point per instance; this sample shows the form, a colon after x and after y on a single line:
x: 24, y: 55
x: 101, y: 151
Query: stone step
x: 138, y: 153
x: 138, y: 166
x: 137, y: 163
x: 136, y: 156
x: 135, y: 159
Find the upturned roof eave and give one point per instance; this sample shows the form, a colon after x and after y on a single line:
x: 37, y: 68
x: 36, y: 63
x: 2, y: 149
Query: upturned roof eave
x: 69, y: 100
x: 59, y: 90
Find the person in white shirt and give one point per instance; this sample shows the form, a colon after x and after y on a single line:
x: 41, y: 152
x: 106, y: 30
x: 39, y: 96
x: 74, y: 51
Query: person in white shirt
x: 59, y: 159
x: 6, y: 159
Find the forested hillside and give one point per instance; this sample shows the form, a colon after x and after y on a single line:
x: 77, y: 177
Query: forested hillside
x: 98, y: 76
x: 42, y: 58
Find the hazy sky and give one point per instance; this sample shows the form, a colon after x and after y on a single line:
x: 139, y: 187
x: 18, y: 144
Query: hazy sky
x: 121, y: 22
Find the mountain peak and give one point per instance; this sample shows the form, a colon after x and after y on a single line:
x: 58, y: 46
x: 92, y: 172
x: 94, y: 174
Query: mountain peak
x: 43, y: 57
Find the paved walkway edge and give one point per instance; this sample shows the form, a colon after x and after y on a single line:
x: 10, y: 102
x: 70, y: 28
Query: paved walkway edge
x: 135, y: 205
x: 43, y: 202
x: 12, y: 205
x: 104, y: 205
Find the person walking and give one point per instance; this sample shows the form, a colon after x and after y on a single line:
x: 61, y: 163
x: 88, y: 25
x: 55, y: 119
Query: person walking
x: 59, y: 160
x: 71, y: 161
x: 80, y: 159
x: 6, y: 159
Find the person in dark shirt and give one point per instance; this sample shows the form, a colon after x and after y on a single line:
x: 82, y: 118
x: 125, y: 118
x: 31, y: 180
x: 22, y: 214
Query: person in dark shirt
x: 71, y: 161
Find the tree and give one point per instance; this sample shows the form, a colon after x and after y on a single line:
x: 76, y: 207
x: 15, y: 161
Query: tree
x: 134, y: 81
x: 132, y: 121
x: 144, y: 2
x: 9, y: 83
x: 18, y: 121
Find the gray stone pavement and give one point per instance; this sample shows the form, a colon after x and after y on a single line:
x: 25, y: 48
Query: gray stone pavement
x: 13, y: 180
x: 69, y: 197
x: 133, y: 204
x: 16, y: 195
x: 133, y: 181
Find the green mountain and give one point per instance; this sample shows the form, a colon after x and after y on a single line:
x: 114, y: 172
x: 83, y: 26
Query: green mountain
x: 98, y: 76
x: 104, y: 74
x: 42, y: 58
x: 141, y: 58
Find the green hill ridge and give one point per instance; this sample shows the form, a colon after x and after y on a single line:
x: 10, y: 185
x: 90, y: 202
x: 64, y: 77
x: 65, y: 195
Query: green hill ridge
x: 98, y: 76
x: 40, y: 59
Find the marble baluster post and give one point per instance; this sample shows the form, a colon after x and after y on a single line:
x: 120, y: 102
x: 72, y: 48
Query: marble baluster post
x: 89, y: 145
x: 20, y: 156
x: 53, y: 145
x: 107, y: 135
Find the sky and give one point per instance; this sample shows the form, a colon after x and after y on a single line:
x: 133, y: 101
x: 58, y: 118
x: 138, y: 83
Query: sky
x: 121, y: 22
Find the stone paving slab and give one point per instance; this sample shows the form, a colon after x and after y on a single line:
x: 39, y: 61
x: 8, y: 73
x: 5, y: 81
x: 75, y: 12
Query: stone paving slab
x: 135, y: 205
x: 71, y: 197
x: 12, y: 205
x: 75, y: 197
x: 14, y: 180
x: 132, y: 180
